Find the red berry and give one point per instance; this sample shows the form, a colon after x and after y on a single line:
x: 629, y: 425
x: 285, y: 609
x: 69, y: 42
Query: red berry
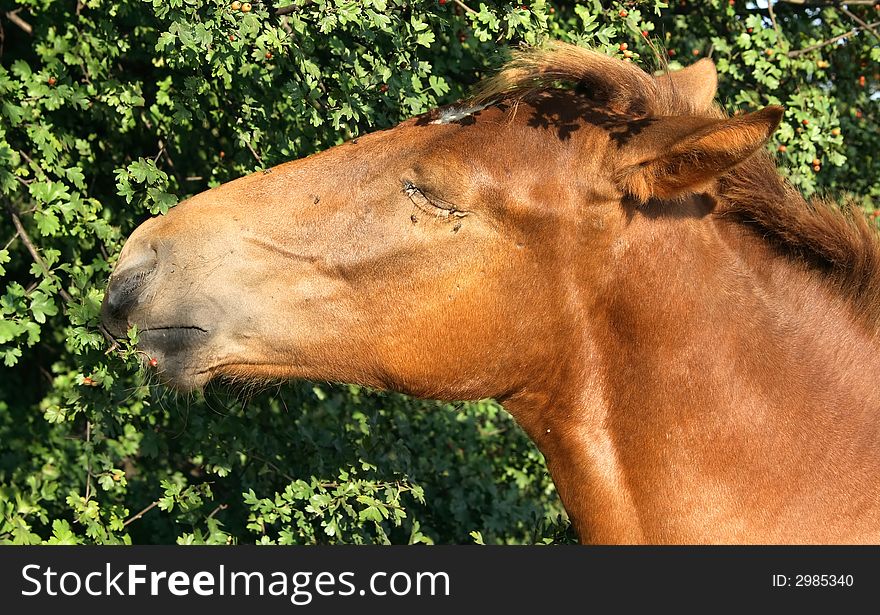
x: 222, y: 154
x: 89, y: 382
x: 154, y: 363
x: 782, y: 148
x: 861, y: 81
x: 268, y: 55
x: 51, y: 81
x: 835, y: 132
x: 645, y: 33
x: 441, y: 2
x: 383, y: 88
x: 731, y: 2
x: 750, y: 30
x: 670, y: 52
x: 622, y: 46
x: 696, y: 52
x: 623, y: 13
x: 805, y: 122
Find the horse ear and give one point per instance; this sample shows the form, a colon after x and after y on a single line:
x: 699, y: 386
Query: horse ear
x: 695, y: 85
x: 684, y: 164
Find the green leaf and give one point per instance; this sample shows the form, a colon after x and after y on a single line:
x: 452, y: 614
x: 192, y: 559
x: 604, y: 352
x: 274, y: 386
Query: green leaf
x: 9, y: 330
x: 62, y: 534
x: 42, y: 305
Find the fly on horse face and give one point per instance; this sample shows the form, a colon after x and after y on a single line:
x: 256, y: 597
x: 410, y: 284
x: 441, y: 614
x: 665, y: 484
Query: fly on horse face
x: 691, y: 344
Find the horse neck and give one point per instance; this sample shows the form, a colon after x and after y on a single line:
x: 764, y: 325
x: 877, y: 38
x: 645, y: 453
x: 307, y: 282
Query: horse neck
x: 710, y: 306
x: 719, y: 375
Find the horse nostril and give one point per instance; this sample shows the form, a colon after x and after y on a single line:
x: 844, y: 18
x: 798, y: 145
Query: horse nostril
x: 122, y: 293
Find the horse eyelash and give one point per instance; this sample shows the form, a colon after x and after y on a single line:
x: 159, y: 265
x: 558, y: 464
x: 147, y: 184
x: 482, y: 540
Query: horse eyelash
x: 436, y: 207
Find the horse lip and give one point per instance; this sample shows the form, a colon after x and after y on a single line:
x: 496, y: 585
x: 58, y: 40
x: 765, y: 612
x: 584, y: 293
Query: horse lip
x: 194, y: 328
x: 172, y: 338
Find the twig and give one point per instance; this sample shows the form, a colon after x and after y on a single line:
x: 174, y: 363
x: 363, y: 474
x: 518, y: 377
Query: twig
x: 285, y: 24
x: 166, y: 154
x: 18, y: 21
x: 853, y: 32
x: 141, y: 513
x: 216, y: 510
x: 88, y: 462
x: 465, y: 7
x: 773, y: 18
x: 9, y: 243
x: 37, y: 168
x: 35, y: 254
x: 860, y: 21
x: 256, y: 155
x: 25, y: 238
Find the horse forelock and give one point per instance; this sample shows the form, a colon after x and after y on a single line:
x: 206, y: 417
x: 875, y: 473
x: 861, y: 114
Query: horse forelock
x: 619, y: 86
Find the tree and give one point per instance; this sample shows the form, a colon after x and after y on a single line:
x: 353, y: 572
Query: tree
x: 110, y: 113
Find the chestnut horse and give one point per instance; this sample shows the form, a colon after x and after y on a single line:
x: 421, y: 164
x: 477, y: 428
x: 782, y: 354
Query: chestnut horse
x: 692, y: 345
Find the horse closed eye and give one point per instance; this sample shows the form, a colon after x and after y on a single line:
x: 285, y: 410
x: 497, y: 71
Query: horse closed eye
x: 430, y: 204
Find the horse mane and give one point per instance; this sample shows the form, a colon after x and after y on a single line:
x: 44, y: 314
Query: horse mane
x: 833, y: 239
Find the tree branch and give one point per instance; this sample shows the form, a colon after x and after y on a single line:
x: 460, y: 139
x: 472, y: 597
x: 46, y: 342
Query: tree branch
x: 26, y: 240
x: 465, y: 6
x: 216, y: 510
x: 141, y: 513
x: 853, y: 32
x: 35, y: 254
x: 860, y: 21
x: 18, y: 21
x: 11, y: 240
x: 773, y: 18
x: 255, y: 154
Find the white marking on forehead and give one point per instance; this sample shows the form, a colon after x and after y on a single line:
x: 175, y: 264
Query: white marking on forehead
x: 454, y: 114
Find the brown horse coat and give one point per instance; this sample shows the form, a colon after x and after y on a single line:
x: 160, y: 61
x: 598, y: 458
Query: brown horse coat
x: 691, y: 345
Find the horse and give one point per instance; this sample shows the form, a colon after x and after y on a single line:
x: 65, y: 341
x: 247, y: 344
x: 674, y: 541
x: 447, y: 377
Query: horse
x: 691, y: 344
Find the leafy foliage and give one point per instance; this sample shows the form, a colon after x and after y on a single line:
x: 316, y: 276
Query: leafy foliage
x: 110, y: 112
